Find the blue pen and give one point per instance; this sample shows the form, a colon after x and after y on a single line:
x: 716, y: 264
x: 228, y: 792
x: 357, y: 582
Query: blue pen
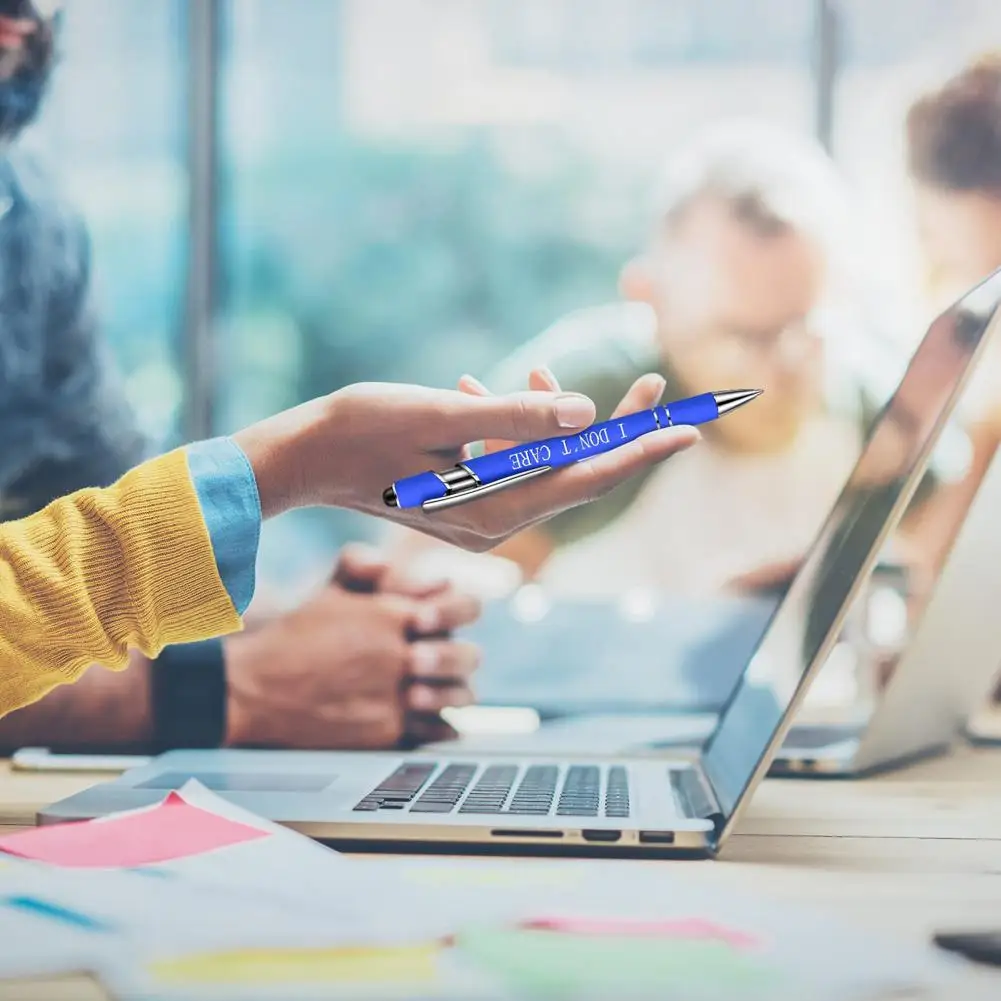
x: 497, y: 470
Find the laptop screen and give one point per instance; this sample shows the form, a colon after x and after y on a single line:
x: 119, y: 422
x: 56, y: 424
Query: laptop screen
x: 889, y: 469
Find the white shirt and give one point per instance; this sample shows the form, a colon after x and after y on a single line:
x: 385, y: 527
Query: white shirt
x: 707, y: 515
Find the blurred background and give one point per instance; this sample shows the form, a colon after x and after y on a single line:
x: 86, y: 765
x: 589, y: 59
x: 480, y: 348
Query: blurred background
x: 290, y: 195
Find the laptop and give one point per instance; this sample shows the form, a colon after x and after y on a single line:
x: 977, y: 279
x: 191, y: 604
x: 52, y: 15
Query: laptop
x: 945, y: 673
x: 937, y: 674
x: 610, y: 805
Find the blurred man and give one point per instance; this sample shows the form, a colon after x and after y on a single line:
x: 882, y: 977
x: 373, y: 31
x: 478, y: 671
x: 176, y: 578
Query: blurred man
x: 746, y: 282
x: 357, y: 666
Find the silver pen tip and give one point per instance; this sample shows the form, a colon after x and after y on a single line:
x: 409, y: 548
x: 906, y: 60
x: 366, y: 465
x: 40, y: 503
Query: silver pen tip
x: 734, y: 398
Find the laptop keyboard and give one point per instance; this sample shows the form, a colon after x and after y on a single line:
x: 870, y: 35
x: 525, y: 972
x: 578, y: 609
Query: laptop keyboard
x: 574, y: 791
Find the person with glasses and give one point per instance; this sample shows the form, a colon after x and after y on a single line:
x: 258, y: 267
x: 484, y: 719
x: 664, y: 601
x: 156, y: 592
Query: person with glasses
x: 749, y: 277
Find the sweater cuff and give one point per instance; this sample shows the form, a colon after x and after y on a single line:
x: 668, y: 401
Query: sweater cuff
x: 227, y: 494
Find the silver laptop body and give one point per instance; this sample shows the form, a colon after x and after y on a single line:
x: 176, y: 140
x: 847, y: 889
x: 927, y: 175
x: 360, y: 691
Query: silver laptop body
x: 945, y: 673
x: 949, y: 664
x: 610, y: 805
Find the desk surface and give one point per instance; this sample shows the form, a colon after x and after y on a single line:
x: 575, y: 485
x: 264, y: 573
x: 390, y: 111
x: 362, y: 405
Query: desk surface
x: 909, y: 852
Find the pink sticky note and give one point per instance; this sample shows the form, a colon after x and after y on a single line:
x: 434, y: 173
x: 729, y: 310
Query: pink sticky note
x: 684, y: 928
x: 174, y: 829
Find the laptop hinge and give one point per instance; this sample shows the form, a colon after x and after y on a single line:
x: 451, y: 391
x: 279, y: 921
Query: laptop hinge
x: 696, y: 796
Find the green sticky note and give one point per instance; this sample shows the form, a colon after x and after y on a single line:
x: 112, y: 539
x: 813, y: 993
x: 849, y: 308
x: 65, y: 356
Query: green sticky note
x: 557, y: 966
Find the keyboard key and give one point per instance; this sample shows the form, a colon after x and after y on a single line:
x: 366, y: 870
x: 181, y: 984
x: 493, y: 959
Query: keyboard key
x: 617, y: 793
x: 399, y: 788
x: 535, y: 793
x: 446, y: 790
x: 581, y: 792
x: 490, y: 794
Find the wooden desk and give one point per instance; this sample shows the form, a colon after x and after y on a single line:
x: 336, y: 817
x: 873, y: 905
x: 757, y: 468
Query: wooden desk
x: 908, y: 853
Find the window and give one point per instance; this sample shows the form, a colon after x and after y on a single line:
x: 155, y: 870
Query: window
x: 113, y: 130
x: 411, y: 188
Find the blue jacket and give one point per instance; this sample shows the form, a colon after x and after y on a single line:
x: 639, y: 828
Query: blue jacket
x: 64, y: 420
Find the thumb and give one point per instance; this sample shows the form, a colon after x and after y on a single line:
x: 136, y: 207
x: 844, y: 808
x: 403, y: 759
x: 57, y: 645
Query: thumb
x: 515, y: 417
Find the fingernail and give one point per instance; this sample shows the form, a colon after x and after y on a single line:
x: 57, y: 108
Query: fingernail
x: 574, y: 411
x: 660, y: 384
x: 473, y: 381
x: 425, y: 659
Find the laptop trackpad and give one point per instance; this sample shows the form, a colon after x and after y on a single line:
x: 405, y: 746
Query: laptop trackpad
x: 241, y: 781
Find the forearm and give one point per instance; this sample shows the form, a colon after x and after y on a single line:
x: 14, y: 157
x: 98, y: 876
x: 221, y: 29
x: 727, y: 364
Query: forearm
x: 104, y: 711
x: 101, y: 572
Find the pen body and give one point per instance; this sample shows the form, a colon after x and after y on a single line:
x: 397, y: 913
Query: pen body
x: 598, y: 438
x: 564, y: 451
x: 554, y: 453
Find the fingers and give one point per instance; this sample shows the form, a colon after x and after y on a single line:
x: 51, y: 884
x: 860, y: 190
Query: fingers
x: 516, y: 417
x: 542, y: 380
x: 539, y: 380
x: 447, y: 611
x: 359, y: 567
x: 433, y: 698
x: 409, y: 581
x: 439, y: 675
x: 471, y: 385
x: 644, y: 394
x: 443, y: 662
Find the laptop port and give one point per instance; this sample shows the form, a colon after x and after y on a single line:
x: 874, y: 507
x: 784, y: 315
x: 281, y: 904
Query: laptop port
x: 656, y: 837
x: 602, y: 835
x: 525, y: 833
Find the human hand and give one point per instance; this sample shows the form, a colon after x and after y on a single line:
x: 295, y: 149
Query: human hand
x: 346, y: 448
x: 350, y: 670
x: 364, y: 569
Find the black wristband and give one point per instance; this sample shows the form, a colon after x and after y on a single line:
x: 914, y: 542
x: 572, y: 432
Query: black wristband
x: 188, y: 690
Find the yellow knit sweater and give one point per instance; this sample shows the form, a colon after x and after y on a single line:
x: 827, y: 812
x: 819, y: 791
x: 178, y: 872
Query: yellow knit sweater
x: 104, y: 570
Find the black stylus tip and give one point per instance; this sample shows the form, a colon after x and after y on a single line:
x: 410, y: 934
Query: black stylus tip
x: 389, y: 496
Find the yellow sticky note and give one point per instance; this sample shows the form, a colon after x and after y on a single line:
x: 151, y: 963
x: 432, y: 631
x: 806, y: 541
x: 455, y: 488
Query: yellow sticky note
x: 396, y: 964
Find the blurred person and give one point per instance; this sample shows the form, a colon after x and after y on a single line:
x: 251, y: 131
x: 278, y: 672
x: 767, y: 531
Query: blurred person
x: 167, y: 554
x: 344, y: 670
x: 953, y: 154
x: 749, y: 279
x: 953, y: 139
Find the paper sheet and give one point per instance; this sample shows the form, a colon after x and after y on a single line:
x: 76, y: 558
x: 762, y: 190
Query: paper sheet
x: 278, y: 917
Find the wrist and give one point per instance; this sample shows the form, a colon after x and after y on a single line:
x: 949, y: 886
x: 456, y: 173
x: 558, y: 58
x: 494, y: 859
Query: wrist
x: 281, y: 450
x: 253, y: 716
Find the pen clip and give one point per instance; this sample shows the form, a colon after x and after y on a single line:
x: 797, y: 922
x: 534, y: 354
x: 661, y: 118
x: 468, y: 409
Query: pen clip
x: 461, y: 496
